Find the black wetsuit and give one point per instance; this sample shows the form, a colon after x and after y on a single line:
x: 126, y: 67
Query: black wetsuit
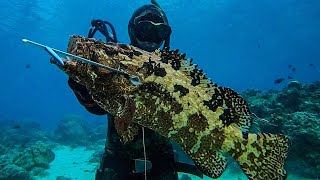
x: 118, y: 157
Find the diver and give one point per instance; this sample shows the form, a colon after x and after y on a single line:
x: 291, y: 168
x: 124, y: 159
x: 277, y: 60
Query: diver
x: 148, y: 29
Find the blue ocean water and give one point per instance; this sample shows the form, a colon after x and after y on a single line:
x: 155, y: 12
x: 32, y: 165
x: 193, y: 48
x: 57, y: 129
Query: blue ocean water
x: 240, y: 44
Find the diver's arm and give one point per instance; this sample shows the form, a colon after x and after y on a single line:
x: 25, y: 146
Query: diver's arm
x: 84, y: 98
x: 79, y: 90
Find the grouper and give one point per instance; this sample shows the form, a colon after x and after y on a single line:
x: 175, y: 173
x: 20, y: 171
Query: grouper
x: 176, y: 99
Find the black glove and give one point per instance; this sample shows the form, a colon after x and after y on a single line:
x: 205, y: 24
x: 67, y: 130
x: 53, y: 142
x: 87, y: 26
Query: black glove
x: 85, y: 98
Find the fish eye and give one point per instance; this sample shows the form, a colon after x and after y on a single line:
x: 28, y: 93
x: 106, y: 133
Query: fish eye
x: 135, y: 80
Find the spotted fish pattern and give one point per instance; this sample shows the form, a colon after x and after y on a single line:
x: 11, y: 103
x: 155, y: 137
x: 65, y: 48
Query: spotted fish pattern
x: 177, y: 100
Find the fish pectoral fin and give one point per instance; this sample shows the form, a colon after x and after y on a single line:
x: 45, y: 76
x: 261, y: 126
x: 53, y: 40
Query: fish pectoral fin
x: 262, y: 156
x: 126, y: 129
x: 210, y: 163
x: 129, y: 134
x: 123, y: 118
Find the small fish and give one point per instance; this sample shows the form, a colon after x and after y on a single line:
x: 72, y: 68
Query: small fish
x: 310, y: 65
x: 289, y: 77
x: 16, y: 126
x: 278, y: 81
x: 259, y: 45
x: 289, y: 66
x: 28, y: 66
x: 294, y: 69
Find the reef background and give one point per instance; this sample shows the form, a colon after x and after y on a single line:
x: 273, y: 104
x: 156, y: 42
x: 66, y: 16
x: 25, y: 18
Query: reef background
x: 74, y: 148
x: 242, y: 45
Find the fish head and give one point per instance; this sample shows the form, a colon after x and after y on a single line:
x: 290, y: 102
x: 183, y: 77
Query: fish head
x: 106, y: 86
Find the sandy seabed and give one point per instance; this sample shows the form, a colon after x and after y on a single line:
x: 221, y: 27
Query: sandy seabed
x: 74, y: 163
x: 71, y: 163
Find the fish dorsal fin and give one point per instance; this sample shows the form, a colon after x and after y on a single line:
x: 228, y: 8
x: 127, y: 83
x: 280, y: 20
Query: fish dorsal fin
x: 123, y: 121
x: 236, y: 109
x: 180, y: 63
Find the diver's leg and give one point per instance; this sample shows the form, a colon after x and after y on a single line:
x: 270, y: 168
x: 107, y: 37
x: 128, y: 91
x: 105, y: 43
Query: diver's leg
x: 162, y: 158
x: 113, y: 166
x: 163, y: 170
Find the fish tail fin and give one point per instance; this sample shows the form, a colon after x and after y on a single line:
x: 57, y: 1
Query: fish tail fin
x: 262, y: 156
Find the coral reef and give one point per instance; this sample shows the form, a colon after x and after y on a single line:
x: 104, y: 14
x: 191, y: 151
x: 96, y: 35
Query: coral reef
x: 72, y: 130
x: 22, y: 164
x: 294, y: 111
x: 63, y: 178
x: 3, y: 149
x: 96, y: 157
x: 75, y: 131
x: 21, y: 133
x: 304, y: 128
x: 38, y: 155
x: 13, y: 172
x: 25, y: 149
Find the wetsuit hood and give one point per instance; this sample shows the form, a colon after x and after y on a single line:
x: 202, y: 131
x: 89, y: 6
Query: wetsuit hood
x: 148, y: 27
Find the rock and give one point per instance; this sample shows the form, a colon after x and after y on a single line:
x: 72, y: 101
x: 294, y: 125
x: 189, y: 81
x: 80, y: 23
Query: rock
x: 313, y: 86
x: 3, y: 149
x: 63, y: 178
x: 4, y: 161
x: 290, y: 99
x: 294, y: 84
x: 251, y: 92
x: 98, y: 131
x: 38, y: 155
x: 13, y: 172
x: 303, y: 128
x: 21, y: 133
x: 262, y: 104
x: 38, y: 171
x: 72, y: 131
x: 96, y: 157
x: 185, y: 177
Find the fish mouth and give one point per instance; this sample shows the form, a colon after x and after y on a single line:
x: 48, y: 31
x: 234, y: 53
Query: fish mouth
x: 87, y: 48
x: 66, y: 61
x: 69, y: 62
